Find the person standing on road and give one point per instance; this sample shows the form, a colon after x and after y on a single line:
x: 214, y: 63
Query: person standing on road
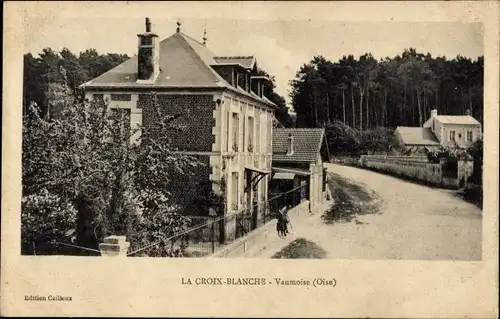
x: 281, y: 225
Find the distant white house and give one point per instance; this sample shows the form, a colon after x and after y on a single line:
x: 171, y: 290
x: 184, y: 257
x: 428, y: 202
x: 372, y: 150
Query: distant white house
x: 440, y: 130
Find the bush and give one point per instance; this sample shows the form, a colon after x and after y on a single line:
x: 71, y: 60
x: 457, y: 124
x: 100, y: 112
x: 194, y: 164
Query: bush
x: 83, y: 178
x: 448, y: 154
x: 346, y: 141
x: 45, y: 219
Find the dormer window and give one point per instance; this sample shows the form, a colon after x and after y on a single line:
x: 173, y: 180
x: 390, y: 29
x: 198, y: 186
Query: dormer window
x: 258, y: 83
x: 235, y: 77
x: 247, y: 81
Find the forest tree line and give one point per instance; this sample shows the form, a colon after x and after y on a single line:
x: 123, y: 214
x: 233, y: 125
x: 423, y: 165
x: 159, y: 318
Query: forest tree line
x: 45, y: 74
x: 366, y: 93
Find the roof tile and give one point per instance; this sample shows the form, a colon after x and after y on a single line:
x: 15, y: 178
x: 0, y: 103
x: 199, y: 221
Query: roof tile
x: 184, y: 63
x: 245, y: 61
x: 306, y: 144
x: 457, y: 119
x: 417, y: 135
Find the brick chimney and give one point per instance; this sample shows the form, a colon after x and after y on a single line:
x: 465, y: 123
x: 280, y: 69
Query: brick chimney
x: 467, y: 112
x: 289, y: 150
x: 148, y: 64
x: 434, y: 113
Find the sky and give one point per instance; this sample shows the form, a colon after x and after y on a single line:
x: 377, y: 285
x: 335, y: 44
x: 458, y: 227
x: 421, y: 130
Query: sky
x: 281, y: 46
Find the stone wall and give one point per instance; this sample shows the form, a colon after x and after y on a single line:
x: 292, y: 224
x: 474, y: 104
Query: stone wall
x: 419, y: 168
x: 413, y: 167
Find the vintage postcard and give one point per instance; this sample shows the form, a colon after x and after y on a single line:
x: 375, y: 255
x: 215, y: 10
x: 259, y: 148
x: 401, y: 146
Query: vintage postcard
x: 250, y: 159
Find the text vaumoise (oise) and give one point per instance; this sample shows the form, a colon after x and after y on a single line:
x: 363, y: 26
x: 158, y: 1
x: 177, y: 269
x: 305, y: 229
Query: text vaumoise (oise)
x: 254, y: 281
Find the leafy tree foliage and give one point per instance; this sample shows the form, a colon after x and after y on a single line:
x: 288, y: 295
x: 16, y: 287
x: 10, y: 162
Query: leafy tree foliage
x: 346, y: 141
x: 84, y: 180
x: 476, y: 151
x: 448, y: 154
x: 281, y: 113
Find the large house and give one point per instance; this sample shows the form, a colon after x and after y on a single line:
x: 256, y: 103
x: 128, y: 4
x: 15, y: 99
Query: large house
x: 440, y: 130
x: 226, y: 116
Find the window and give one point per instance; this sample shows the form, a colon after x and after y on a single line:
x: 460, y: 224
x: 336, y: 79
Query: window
x: 433, y: 125
x: 235, y: 132
x: 257, y: 130
x: 262, y: 189
x: 235, y: 78
x: 247, y: 82
x: 250, y: 134
x: 452, y: 135
x: 244, y: 123
x: 121, y: 97
x: 269, y: 132
x: 469, y: 135
x: 234, y: 190
x: 228, y: 146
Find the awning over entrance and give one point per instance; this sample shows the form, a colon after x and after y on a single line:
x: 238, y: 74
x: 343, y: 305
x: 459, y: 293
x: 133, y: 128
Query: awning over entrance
x: 285, y: 176
x: 257, y: 170
x: 253, y: 181
x: 292, y: 170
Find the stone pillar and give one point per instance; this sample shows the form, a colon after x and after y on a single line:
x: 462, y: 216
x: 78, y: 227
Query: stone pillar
x: 311, y: 185
x: 114, y: 246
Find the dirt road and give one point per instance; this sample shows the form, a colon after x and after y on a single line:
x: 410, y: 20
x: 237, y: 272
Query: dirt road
x: 376, y: 216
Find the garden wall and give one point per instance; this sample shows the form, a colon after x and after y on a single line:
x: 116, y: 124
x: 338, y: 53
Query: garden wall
x: 419, y: 168
x: 415, y: 167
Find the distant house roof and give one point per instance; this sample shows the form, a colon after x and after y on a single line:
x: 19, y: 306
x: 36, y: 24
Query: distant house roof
x: 184, y: 63
x: 306, y: 144
x: 245, y: 61
x: 416, y: 136
x: 457, y: 119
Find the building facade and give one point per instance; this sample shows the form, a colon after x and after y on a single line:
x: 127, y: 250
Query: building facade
x: 440, y: 130
x: 454, y: 130
x: 298, y: 161
x: 220, y: 102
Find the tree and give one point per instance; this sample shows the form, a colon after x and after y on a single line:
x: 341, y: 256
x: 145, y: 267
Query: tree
x: 88, y: 181
x: 42, y: 75
x: 281, y: 112
x: 417, y: 75
x: 366, y: 72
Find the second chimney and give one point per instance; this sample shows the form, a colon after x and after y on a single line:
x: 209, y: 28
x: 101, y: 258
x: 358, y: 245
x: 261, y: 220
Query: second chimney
x: 148, y: 64
x: 290, y: 144
x: 434, y: 113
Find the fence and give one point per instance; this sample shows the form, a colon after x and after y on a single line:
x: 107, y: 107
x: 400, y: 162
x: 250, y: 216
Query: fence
x: 452, y: 174
x: 211, y: 234
x: 414, y: 167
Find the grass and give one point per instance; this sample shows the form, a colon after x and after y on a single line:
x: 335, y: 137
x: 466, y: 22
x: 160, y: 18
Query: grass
x: 301, y: 248
x: 472, y: 195
x: 349, y: 200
